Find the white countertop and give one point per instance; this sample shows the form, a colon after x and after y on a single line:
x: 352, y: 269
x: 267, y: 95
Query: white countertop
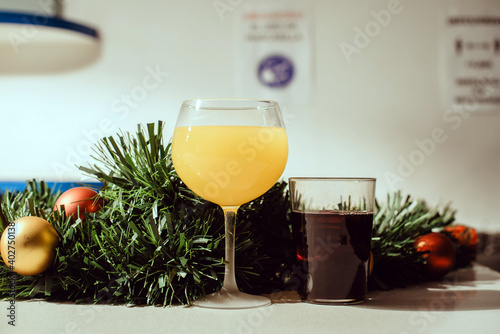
x: 465, y: 301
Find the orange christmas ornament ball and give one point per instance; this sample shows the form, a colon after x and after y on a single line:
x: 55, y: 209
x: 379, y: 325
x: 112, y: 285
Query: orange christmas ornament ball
x: 464, y: 236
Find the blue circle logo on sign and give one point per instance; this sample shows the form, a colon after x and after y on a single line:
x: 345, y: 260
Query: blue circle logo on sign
x: 276, y: 71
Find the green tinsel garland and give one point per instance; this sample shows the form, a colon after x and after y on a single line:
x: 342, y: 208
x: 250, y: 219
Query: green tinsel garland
x: 154, y: 242
x: 157, y: 243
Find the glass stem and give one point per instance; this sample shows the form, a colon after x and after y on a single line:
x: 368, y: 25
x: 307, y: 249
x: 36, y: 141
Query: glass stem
x: 229, y: 283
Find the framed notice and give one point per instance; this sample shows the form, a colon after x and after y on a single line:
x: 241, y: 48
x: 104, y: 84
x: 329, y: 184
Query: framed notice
x: 471, y: 57
x: 273, y: 51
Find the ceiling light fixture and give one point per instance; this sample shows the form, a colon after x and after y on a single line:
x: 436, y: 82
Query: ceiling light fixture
x: 36, y: 39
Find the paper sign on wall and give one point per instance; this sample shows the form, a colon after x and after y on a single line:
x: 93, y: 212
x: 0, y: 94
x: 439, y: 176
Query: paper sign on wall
x: 472, y: 59
x: 273, y: 57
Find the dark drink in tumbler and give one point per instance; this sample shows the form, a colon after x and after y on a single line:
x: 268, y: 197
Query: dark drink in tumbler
x: 333, y: 251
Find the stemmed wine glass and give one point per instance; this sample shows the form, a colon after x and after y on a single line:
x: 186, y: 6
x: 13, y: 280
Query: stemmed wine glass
x: 230, y: 151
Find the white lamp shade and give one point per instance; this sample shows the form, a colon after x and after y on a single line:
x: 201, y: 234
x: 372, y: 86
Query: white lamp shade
x: 38, y: 44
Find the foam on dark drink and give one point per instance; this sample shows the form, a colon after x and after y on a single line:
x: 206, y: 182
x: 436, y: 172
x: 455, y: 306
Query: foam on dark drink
x: 333, y: 250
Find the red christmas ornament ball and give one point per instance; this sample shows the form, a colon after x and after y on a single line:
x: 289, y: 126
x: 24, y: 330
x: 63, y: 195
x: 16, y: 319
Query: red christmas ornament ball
x: 441, y: 255
x: 79, y: 200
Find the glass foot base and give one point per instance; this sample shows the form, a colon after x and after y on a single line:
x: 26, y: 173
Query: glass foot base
x: 225, y: 299
x: 336, y: 301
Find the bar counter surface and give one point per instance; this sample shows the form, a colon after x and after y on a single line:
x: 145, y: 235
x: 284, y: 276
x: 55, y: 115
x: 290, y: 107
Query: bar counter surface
x: 464, y: 301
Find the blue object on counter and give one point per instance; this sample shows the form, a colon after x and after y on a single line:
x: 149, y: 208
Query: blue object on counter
x: 55, y: 186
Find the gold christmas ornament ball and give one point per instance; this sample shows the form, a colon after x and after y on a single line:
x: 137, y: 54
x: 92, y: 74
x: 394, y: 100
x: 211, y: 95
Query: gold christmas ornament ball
x: 79, y: 200
x: 28, y: 245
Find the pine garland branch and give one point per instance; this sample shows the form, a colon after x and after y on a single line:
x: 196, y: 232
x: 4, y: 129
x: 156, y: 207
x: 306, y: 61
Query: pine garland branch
x: 397, y: 223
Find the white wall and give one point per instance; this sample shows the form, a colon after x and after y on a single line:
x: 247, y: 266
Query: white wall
x: 366, y: 115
